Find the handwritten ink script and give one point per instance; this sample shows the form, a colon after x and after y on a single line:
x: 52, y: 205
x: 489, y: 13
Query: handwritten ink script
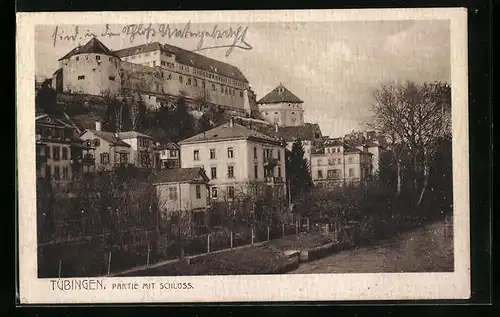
x: 229, y: 38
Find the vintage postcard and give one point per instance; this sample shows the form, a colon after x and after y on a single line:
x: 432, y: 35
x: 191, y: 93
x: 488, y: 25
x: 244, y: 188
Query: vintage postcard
x: 239, y: 156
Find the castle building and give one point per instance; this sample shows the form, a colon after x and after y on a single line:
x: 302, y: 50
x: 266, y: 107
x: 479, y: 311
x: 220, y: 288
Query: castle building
x: 282, y: 107
x: 158, y: 72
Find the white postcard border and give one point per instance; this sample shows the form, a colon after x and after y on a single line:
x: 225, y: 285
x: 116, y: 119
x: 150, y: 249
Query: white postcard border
x: 310, y: 287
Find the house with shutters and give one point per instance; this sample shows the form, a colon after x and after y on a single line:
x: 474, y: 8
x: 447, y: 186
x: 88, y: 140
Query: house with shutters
x: 182, y: 190
x: 338, y: 163
x: 103, y: 150
x: 237, y: 160
x: 57, y: 147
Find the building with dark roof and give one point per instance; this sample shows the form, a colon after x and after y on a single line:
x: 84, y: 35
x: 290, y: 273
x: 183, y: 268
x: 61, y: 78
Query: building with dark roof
x: 159, y: 72
x: 182, y: 190
x: 237, y: 159
x: 57, y: 147
x: 339, y: 163
x: 282, y: 107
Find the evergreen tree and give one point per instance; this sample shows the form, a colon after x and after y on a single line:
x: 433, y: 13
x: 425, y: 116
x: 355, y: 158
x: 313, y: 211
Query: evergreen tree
x: 182, y: 121
x: 46, y: 99
x: 205, y: 123
x: 297, y: 170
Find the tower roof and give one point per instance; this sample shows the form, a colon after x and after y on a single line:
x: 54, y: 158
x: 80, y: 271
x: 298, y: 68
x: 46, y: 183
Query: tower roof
x: 92, y: 46
x: 278, y: 95
x: 229, y: 132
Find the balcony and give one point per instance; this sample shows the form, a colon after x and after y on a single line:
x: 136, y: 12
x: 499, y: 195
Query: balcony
x: 88, y: 159
x: 273, y: 180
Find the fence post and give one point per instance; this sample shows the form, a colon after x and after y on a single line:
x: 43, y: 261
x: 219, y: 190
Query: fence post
x: 208, y: 243
x: 267, y: 233
x: 147, y: 260
x: 59, y: 271
x: 109, y: 262
x: 252, y: 236
x: 283, y: 229
x: 231, y: 240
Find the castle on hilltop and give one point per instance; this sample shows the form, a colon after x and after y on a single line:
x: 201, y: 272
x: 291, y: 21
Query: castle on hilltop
x: 158, y: 72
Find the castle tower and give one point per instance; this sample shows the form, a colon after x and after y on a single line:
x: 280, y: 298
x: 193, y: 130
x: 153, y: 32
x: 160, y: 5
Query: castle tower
x: 89, y: 69
x: 282, y: 107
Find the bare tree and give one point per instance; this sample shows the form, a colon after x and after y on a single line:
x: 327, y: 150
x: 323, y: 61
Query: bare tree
x: 414, y: 117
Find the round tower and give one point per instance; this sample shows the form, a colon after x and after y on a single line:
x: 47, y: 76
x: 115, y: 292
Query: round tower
x: 282, y: 107
x: 91, y: 69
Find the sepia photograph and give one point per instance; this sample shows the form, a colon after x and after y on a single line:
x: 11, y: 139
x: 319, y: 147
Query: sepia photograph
x: 273, y: 148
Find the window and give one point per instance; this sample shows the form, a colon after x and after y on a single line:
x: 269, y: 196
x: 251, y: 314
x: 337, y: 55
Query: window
x: 55, y: 153
x: 189, y: 81
x: 196, y: 155
x: 203, y: 84
x: 78, y: 58
x: 173, y: 153
x: 350, y: 159
x: 180, y: 79
x: 230, y: 192
x: 230, y: 152
x: 351, y: 172
x: 212, y: 154
x: 221, y: 89
x: 213, y: 172
x: 111, y: 77
x: 338, y: 161
x: 169, y: 76
x: 48, y: 171
x: 333, y: 173
x: 320, y: 174
x: 230, y: 171
x: 195, y: 82
x: 213, y: 87
x: 255, y: 153
x: 57, y: 172
x: 256, y: 171
x: 48, y: 151
x: 320, y: 162
x: 214, y: 192
x: 198, y: 191
x: 81, y: 77
x: 241, y: 93
x: 98, y: 57
x: 279, y: 171
x: 64, y: 153
x: 65, y: 174
x: 172, y: 193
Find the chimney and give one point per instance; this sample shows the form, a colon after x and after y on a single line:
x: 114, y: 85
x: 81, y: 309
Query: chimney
x: 231, y: 123
x: 98, y: 126
x: 276, y: 127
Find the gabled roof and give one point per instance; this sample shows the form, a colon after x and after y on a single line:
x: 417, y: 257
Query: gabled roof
x: 189, y: 58
x: 333, y: 142
x: 132, y: 135
x: 109, y: 137
x: 278, y: 95
x: 228, y: 132
x: 181, y: 175
x: 92, y: 46
x: 306, y: 132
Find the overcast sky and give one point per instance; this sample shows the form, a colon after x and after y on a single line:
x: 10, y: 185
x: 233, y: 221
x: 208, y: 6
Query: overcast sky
x: 332, y: 66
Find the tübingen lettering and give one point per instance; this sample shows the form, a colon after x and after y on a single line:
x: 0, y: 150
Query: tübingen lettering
x: 77, y: 285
